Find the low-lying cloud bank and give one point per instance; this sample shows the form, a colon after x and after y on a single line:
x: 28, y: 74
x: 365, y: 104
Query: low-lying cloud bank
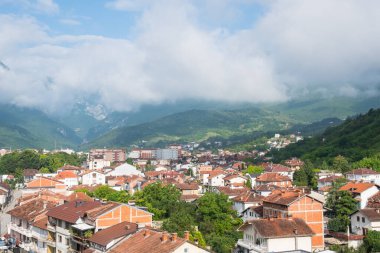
x: 294, y: 48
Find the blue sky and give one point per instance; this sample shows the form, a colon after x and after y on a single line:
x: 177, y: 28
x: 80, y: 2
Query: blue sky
x: 95, y: 17
x: 127, y: 53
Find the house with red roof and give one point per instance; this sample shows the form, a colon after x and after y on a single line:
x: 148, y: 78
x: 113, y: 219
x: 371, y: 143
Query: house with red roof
x: 275, y: 235
x: 245, y: 200
x: 297, y: 203
x: 360, y: 191
x: 153, y: 241
x: 68, y: 177
x: 364, y: 175
x: 271, y: 178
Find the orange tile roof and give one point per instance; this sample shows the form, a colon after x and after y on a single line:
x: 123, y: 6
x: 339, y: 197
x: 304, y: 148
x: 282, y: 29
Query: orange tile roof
x: 272, y: 177
x: 152, y: 243
x: 43, y: 182
x: 66, y: 174
x: 283, y: 197
x: 355, y: 187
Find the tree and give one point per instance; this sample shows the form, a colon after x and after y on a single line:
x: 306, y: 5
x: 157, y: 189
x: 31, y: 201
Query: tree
x: 300, y: 178
x: 372, y: 162
x: 371, y: 242
x: 251, y: 169
x: 181, y: 220
x: 341, y: 164
x: 159, y: 199
x: 217, y: 221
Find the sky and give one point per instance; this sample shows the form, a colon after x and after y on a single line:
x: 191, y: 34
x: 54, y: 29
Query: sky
x: 127, y: 53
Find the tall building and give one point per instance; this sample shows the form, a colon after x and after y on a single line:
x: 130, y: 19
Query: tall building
x: 111, y: 155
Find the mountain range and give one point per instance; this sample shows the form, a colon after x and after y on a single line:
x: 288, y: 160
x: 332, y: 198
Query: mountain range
x: 93, y: 125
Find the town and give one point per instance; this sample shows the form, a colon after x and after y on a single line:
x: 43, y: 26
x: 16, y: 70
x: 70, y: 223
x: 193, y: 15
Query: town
x: 116, y: 200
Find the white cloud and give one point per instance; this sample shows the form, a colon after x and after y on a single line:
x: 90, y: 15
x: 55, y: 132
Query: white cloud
x: 296, y: 47
x: 40, y: 6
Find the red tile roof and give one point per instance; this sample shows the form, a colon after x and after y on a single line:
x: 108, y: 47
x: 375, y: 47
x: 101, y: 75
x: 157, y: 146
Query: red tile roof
x: 249, y: 197
x: 329, y: 179
x: 31, y: 210
x: 279, y: 228
x: 152, y: 243
x: 72, y: 211
x: 66, y: 174
x: 43, y: 182
x: 187, y: 186
x: 356, y: 187
x: 272, y: 177
x: 232, y: 192
x: 284, y: 197
x: 105, y: 236
x: 363, y: 171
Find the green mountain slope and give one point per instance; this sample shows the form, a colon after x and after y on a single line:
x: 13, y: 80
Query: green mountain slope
x: 195, y: 125
x: 356, y: 138
x: 28, y: 128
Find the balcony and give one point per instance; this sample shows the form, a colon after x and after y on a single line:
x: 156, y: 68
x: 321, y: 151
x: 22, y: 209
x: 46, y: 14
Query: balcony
x: 44, y: 238
x: 20, y: 230
x: 251, y: 246
x: 27, y: 246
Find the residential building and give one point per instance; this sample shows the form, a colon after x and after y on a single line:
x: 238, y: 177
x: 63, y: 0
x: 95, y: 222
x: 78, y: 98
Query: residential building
x: 167, y: 154
x: 364, y: 220
x: 111, y: 155
x: 105, y: 239
x: 364, y: 175
x: 327, y: 181
x: 73, y: 223
x: 98, y: 162
x: 294, y: 163
x: 21, y: 225
x: 93, y: 177
x: 235, y: 181
x: 275, y: 235
x: 360, y: 191
x: 273, y: 179
x: 297, y: 203
x: 252, y: 212
x: 68, y: 178
x: 245, y: 200
x: 148, y: 240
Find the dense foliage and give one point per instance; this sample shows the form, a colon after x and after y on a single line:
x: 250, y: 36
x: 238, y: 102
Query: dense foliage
x: 30, y: 159
x: 306, y: 176
x: 356, y: 138
x: 341, y: 204
x: 210, y: 220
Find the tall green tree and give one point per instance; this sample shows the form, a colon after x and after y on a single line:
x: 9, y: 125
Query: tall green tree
x: 217, y: 221
x: 160, y: 199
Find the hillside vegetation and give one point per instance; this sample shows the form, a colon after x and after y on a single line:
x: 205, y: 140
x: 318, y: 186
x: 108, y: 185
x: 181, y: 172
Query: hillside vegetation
x: 28, y: 128
x: 356, y: 138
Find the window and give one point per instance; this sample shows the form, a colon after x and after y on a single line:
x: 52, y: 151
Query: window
x: 363, y: 219
x: 60, y: 238
x: 357, y: 218
x: 67, y: 241
x: 185, y: 250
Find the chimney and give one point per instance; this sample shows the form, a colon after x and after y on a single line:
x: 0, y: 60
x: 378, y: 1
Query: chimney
x: 187, y: 235
x: 164, y: 236
x: 174, y: 237
x: 146, y: 232
x: 377, y: 210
